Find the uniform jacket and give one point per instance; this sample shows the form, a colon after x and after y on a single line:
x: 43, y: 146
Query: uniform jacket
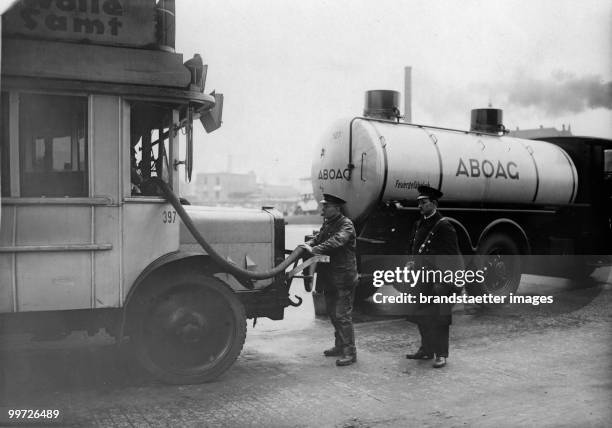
x: 439, y: 250
x: 436, y: 251
x: 336, y: 239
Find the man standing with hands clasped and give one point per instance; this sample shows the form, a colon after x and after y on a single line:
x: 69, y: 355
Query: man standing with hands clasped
x: 339, y: 277
x: 434, y: 247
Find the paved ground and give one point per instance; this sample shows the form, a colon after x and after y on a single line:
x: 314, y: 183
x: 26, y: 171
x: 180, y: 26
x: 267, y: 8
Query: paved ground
x: 516, y: 366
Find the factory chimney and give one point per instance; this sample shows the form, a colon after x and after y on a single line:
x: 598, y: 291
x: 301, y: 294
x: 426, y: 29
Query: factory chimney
x: 408, y: 94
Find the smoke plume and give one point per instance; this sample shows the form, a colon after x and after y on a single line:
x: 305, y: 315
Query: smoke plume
x: 562, y: 94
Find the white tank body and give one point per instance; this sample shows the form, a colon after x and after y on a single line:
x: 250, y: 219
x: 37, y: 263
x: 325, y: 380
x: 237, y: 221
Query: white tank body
x: 392, y: 159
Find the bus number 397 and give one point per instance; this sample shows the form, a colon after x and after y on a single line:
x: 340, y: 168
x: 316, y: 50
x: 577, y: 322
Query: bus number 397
x: 169, y: 216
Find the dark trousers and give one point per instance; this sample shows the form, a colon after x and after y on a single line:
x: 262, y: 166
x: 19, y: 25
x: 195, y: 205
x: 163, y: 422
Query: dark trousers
x: 434, y: 337
x: 339, y: 306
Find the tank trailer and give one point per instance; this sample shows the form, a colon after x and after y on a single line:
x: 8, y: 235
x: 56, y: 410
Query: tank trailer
x: 518, y: 206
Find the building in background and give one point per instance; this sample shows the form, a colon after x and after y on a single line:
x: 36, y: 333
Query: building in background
x: 224, y: 187
x: 236, y: 189
x: 541, y: 132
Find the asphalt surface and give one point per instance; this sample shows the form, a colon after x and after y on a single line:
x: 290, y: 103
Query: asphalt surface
x: 520, y: 365
x: 512, y: 366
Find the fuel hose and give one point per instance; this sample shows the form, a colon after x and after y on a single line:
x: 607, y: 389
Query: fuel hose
x: 218, y: 258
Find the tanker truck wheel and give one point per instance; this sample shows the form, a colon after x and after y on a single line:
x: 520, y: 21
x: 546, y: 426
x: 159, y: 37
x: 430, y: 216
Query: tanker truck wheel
x: 579, y: 270
x: 190, y: 330
x: 499, y: 257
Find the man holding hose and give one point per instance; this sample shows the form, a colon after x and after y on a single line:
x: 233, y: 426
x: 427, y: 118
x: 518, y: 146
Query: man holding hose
x: 337, y: 239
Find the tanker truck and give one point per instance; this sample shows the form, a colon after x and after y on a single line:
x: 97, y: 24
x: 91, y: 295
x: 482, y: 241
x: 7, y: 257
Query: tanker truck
x: 518, y: 206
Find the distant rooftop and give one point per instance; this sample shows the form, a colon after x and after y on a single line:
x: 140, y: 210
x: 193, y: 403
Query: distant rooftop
x: 541, y: 132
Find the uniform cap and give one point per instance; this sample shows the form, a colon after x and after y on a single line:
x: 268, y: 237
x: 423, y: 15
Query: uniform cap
x: 428, y: 192
x: 331, y: 199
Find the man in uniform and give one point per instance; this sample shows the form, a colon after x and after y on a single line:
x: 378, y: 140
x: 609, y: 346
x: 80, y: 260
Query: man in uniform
x: 434, y: 247
x: 338, y: 277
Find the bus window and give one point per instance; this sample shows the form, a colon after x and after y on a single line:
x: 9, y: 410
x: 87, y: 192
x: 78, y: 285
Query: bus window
x: 53, y: 145
x: 150, y: 127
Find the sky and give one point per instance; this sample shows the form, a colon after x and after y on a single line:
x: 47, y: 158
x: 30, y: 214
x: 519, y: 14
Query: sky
x: 288, y: 69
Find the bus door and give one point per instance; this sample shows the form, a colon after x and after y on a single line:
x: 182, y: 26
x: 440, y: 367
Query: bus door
x: 150, y: 225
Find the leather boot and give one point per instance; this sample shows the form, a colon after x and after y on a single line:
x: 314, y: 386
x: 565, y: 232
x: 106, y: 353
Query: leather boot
x: 419, y: 355
x: 439, y: 362
x: 349, y: 356
x: 336, y: 351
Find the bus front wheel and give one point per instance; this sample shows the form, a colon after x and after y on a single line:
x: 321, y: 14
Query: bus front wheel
x: 190, y: 330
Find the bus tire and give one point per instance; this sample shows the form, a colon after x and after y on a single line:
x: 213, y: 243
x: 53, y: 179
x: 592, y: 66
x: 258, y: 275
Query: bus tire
x: 499, y: 257
x: 189, y: 330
